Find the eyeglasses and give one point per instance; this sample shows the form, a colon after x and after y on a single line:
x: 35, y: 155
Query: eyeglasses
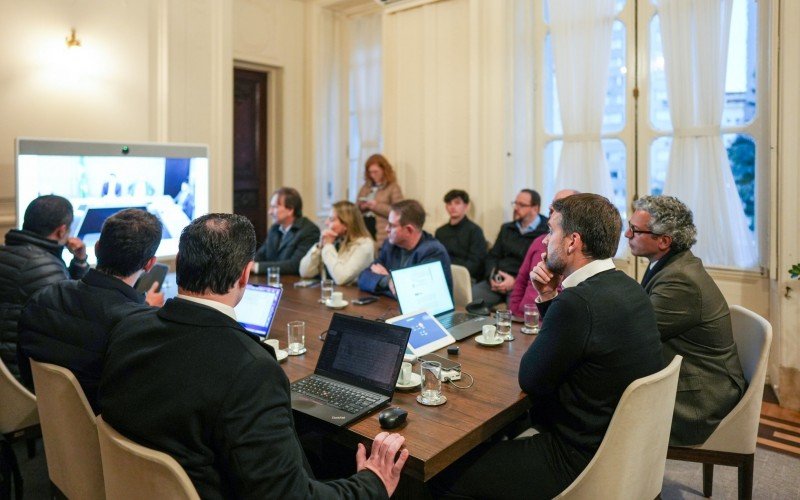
x: 635, y: 231
x: 520, y: 205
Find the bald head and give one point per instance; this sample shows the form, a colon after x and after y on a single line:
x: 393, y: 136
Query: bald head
x: 560, y: 195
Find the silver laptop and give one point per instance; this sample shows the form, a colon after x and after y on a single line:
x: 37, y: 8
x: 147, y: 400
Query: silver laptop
x: 424, y: 287
x: 356, y: 371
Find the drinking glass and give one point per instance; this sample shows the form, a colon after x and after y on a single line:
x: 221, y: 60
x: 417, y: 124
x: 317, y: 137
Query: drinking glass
x: 274, y: 276
x: 431, y: 394
x: 503, y: 322
x: 296, y: 333
x: 531, y: 319
x: 326, y: 289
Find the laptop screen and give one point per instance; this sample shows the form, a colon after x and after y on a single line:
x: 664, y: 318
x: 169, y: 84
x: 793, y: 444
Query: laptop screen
x: 364, y: 353
x: 425, y: 329
x: 257, y: 308
x: 422, y: 287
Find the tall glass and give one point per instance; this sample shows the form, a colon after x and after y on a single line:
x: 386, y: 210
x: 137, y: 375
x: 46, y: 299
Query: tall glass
x: 274, y: 276
x: 326, y: 289
x: 431, y: 394
x: 503, y: 322
x: 296, y: 333
x: 531, y: 319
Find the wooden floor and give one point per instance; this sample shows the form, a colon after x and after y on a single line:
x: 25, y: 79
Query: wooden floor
x: 779, y: 429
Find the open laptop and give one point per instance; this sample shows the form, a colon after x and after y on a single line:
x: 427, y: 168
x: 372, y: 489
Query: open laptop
x: 356, y: 371
x: 257, y: 308
x: 427, y: 333
x: 424, y: 287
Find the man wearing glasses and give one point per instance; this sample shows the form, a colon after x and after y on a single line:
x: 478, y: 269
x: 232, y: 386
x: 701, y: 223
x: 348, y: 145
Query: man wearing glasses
x: 509, y: 249
x: 693, y: 317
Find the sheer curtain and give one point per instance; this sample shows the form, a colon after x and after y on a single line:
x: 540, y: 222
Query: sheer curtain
x: 581, y: 38
x: 523, y: 155
x: 366, y: 88
x: 695, y: 42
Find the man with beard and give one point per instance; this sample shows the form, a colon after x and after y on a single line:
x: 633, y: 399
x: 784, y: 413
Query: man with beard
x: 598, y: 335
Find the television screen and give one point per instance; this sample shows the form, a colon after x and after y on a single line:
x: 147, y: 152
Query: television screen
x: 102, y: 178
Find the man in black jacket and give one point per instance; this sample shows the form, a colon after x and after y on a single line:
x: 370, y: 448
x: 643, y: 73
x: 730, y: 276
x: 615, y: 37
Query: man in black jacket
x: 290, y: 236
x: 69, y: 323
x: 31, y: 260
x: 463, y: 239
x: 188, y: 380
x: 509, y: 249
x: 598, y: 335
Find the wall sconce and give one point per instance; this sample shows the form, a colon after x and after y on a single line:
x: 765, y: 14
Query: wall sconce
x: 72, y: 40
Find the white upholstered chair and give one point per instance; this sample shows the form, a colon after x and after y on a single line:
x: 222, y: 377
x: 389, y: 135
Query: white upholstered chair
x: 462, y: 285
x: 734, y: 440
x: 630, y: 461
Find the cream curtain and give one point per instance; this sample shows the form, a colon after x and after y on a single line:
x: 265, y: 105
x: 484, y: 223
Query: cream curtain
x: 695, y: 42
x: 366, y: 82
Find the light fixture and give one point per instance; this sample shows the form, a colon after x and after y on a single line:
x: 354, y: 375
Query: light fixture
x: 72, y: 40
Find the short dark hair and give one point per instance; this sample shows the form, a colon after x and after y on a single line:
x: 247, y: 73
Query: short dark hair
x: 46, y: 213
x: 291, y: 200
x: 536, y: 200
x: 128, y: 239
x: 595, y: 218
x: 213, y: 251
x: 456, y: 193
x: 410, y: 212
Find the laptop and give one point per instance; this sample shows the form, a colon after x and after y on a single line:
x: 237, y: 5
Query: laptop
x: 427, y: 333
x: 424, y: 287
x: 257, y: 308
x: 356, y: 371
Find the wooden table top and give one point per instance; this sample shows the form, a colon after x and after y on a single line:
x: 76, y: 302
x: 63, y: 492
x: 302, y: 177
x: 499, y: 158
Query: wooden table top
x: 435, y: 436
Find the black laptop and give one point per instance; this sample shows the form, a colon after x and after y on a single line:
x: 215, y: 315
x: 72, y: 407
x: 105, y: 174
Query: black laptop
x: 356, y: 371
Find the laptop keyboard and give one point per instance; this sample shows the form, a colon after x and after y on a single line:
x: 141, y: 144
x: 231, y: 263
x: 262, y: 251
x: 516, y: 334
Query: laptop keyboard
x: 455, y: 319
x: 344, y: 397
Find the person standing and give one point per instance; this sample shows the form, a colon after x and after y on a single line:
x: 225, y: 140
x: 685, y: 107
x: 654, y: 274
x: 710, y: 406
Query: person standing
x: 376, y: 196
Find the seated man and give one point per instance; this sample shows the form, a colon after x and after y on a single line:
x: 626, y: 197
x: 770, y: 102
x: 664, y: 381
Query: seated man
x: 290, y: 236
x: 187, y: 379
x: 692, y: 314
x: 406, y: 245
x: 69, y: 323
x: 599, y: 335
x: 462, y: 238
x: 512, y: 243
x: 524, y: 292
x: 30, y: 260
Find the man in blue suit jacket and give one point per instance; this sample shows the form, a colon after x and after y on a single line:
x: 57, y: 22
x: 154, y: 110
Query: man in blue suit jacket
x: 407, y: 245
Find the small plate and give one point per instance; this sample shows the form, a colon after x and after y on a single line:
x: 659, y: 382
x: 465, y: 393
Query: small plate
x: 413, y: 382
x: 340, y: 305
x: 482, y: 341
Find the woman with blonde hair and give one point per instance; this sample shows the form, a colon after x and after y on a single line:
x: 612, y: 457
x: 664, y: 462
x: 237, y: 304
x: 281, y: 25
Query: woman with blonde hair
x: 379, y: 191
x: 344, y: 249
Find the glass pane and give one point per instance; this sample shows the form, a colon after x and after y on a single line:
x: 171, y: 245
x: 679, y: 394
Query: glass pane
x: 618, y: 6
x: 614, y: 112
x: 617, y: 157
x: 741, y: 78
x: 552, y: 113
x: 659, y: 162
x: 659, y: 102
x: 742, y: 155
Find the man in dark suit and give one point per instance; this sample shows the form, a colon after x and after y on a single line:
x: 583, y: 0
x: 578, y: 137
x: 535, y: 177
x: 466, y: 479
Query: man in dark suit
x: 692, y: 314
x: 69, y: 323
x: 290, y: 236
x: 598, y: 335
x: 188, y: 380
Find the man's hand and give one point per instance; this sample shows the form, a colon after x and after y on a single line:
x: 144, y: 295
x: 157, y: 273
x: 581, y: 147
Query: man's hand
x: 381, y: 459
x: 379, y: 269
x: 77, y: 248
x: 545, y: 282
x: 327, y: 237
x: 504, y: 286
x: 154, y: 298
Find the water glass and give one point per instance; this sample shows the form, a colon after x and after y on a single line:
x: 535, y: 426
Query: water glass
x: 274, y: 276
x: 296, y: 333
x: 326, y: 289
x: 431, y: 394
x: 531, y: 319
x: 503, y: 322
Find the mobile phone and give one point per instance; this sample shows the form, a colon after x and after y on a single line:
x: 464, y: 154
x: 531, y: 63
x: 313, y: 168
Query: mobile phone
x: 146, y: 280
x: 447, y: 364
x: 305, y: 283
x: 362, y: 301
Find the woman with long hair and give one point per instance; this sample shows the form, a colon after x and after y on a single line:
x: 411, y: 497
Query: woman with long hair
x: 345, y: 247
x: 379, y: 191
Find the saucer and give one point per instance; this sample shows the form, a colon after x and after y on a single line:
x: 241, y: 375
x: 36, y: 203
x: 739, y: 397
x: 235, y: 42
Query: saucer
x: 340, y: 305
x: 302, y: 351
x: 480, y: 339
x: 414, y: 380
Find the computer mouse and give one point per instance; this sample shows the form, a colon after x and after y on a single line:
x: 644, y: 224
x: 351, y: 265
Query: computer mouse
x: 393, y: 417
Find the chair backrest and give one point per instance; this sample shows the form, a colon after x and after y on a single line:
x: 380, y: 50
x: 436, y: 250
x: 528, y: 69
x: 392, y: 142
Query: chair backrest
x: 18, y: 405
x: 630, y: 461
x: 738, y: 431
x: 69, y: 432
x: 462, y: 285
x: 133, y: 471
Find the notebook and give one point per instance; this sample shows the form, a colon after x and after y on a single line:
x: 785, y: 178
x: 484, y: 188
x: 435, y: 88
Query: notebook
x: 356, y: 370
x: 424, y: 287
x: 427, y: 334
x: 257, y: 308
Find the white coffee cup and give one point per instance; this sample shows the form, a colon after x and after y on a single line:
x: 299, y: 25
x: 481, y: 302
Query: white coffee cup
x: 405, y: 373
x: 336, y: 298
x: 489, y: 333
x: 274, y: 343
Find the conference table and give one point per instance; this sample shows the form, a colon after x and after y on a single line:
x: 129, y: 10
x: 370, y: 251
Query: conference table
x: 434, y: 436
